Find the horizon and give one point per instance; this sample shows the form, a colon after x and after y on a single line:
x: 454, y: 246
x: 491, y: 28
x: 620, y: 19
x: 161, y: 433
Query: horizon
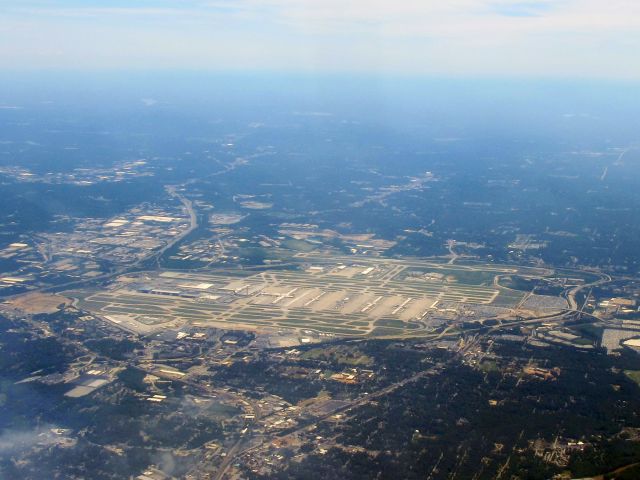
x: 464, y: 38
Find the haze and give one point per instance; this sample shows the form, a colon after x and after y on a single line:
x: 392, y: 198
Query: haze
x: 460, y: 37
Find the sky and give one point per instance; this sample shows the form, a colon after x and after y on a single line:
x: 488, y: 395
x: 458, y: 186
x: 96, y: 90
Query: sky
x: 541, y: 38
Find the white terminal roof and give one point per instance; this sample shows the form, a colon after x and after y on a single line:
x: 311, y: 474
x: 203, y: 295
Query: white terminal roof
x: 155, y: 218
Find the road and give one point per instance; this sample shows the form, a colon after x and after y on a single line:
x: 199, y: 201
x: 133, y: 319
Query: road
x: 571, y: 294
x: 235, y: 452
x: 231, y: 455
x: 193, y: 224
x: 454, y: 255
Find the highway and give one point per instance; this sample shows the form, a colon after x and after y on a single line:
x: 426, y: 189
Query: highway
x: 571, y: 294
x: 193, y: 224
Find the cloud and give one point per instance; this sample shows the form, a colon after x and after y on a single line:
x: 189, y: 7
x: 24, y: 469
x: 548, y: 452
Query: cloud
x: 15, y: 441
x: 469, y: 37
x: 522, y: 9
x: 166, y: 462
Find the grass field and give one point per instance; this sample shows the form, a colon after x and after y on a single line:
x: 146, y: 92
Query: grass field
x: 633, y: 375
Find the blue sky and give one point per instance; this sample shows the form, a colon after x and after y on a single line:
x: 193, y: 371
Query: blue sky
x: 560, y: 38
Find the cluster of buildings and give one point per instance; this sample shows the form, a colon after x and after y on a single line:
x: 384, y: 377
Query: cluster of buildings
x: 124, y: 239
x: 91, y: 248
x: 81, y: 176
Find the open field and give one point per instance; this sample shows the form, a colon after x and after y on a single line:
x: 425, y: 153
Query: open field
x: 333, y: 296
x: 34, y: 303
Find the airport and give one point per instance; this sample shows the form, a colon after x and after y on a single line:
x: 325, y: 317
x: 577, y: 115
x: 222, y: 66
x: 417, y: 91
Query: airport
x: 339, y: 296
